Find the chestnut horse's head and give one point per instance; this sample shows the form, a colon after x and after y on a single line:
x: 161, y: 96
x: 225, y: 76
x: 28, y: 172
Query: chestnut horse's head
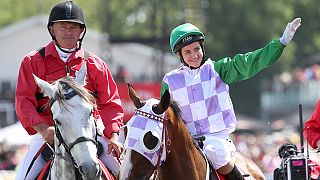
x: 157, y: 139
x: 145, y: 137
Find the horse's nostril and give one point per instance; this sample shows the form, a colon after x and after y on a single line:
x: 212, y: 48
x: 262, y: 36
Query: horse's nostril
x: 90, y: 170
x: 99, y: 168
x: 81, y: 169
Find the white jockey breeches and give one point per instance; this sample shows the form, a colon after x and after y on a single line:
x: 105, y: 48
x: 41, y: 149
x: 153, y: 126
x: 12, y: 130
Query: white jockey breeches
x: 219, y: 150
x: 36, y: 143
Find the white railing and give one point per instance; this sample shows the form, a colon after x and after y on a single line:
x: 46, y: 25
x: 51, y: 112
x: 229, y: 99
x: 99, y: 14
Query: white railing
x: 307, y: 94
x: 7, y: 113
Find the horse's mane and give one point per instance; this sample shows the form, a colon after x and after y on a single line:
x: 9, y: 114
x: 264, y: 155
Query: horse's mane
x: 180, y: 124
x: 69, y: 82
x: 175, y: 108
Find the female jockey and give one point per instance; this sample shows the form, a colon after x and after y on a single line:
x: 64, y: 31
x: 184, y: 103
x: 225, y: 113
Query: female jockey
x: 200, y: 86
x: 63, y: 56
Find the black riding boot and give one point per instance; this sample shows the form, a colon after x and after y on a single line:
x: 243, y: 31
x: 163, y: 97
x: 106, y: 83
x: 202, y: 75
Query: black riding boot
x: 234, y: 174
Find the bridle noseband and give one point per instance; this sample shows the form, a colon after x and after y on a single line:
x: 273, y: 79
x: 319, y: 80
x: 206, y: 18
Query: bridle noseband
x: 81, y: 139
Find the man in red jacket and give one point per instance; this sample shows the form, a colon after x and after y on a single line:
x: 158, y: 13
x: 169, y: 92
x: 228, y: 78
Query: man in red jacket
x: 311, y: 129
x: 61, y: 57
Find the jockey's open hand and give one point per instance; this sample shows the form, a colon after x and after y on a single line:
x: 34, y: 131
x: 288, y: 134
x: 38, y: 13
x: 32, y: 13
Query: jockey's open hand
x: 115, y: 146
x: 290, y: 31
x: 47, y: 132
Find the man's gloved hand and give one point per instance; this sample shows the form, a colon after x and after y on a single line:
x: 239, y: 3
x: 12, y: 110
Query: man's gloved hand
x: 290, y: 30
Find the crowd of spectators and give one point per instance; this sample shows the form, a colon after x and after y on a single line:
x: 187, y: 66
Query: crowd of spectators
x: 10, y: 156
x: 282, y: 82
x: 261, y: 147
x: 8, y: 159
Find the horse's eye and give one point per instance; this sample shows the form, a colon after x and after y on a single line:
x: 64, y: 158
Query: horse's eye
x: 150, y: 141
x: 156, y: 109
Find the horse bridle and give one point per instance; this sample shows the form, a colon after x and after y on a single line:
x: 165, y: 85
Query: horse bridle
x: 81, y: 139
x: 165, y: 135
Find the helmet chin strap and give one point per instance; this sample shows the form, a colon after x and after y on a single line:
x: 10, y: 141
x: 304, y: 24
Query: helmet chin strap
x: 78, y: 45
x: 64, y: 50
x: 191, y: 67
x: 185, y: 64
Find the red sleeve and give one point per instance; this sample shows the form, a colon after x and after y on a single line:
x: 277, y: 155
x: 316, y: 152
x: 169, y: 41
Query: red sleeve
x: 25, y: 101
x: 108, y: 99
x: 311, y: 129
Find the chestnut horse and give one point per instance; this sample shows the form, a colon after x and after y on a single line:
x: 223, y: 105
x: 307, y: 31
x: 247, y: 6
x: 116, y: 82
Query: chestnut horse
x: 159, y: 144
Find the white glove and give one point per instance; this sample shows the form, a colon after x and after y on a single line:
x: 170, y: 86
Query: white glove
x: 290, y: 30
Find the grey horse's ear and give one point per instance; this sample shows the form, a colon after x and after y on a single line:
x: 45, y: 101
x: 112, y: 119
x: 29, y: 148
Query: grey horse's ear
x: 81, y: 74
x: 46, y: 87
x: 163, y: 105
x: 134, y: 97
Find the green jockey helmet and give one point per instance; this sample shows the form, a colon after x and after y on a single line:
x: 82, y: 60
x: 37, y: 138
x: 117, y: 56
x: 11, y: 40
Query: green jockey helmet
x: 183, y: 35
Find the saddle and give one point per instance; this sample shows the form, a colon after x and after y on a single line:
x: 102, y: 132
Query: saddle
x: 47, y: 153
x: 45, y: 171
x: 213, y: 174
x: 106, y: 173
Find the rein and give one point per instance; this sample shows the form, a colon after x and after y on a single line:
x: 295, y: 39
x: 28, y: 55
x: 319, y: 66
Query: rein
x: 71, y: 145
x: 165, y: 135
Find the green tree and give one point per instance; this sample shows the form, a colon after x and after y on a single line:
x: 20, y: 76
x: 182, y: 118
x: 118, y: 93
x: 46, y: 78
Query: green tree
x: 231, y: 27
x: 239, y: 26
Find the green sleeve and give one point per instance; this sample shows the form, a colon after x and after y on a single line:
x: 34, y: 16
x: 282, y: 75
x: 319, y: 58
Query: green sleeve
x: 164, y: 87
x: 244, y: 66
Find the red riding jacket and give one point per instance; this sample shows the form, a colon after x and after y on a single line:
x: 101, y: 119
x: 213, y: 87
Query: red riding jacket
x: 99, y: 81
x: 311, y: 129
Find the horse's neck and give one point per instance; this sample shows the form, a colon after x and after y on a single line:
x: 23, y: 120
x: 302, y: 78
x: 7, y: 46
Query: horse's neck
x: 184, y: 160
x: 182, y: 142
x: 62, y: 169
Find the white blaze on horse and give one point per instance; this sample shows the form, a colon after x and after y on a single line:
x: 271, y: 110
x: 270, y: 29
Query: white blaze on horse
x: 158, y: 142
x: 75, y: 141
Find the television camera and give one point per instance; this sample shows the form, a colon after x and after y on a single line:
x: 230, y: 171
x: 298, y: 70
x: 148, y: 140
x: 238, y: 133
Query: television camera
x: 294, y: 165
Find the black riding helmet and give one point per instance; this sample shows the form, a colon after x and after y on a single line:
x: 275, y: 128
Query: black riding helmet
x: 67, y: 12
